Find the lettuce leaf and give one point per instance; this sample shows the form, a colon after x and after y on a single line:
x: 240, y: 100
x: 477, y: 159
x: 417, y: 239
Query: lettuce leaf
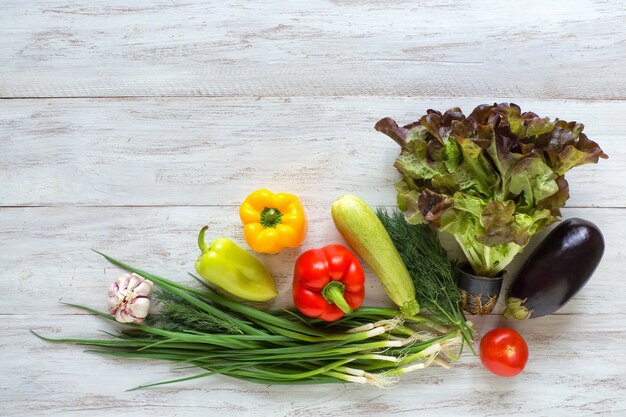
x: 492, y: 179
x: 534, y: 180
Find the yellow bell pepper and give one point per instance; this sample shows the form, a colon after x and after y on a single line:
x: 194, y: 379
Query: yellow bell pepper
x: 272, y: 222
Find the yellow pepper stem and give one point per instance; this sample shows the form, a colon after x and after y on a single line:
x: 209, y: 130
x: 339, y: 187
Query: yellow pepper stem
x: 333, y: 293
x: 270, y: 217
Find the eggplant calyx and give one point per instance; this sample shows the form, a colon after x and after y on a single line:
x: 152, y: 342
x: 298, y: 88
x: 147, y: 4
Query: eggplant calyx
x: 516, y: 309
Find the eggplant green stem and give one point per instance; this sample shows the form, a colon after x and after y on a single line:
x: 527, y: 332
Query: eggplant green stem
x: 515, y: 309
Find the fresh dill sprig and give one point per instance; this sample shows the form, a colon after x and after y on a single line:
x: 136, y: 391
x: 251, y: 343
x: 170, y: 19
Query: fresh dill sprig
x: 178, y: 315
x: 432, y: 271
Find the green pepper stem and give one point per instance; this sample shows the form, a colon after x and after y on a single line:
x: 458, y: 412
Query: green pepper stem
x: 201, y: 243
x: 333, y: 293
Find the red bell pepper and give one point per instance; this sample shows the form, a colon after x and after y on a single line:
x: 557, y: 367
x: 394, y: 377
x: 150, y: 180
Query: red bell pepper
x: 328, y: 282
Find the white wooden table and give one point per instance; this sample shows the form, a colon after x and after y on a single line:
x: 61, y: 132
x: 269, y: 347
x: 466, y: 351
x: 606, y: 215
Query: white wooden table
x: 126, y: 125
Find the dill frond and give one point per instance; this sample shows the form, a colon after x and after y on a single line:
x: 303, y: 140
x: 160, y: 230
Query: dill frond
x: 178, y: 315
x: 430, y: 267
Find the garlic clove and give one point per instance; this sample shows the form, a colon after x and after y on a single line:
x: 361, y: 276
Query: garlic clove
x: 144, y: 289
x: 138, y: 308
x: 122, y: 317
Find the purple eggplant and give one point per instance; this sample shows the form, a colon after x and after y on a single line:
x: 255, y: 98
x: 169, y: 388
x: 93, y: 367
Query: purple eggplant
x: 556, y: 270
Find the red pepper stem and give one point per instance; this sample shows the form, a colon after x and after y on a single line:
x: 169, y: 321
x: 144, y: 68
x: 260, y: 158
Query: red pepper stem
x: 333, y: 293
x: 201, y: 243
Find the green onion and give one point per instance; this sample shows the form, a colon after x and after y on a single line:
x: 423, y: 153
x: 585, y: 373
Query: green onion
x: 205, y: 330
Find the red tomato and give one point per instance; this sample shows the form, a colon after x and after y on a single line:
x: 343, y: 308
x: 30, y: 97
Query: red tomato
x: 503, y: 351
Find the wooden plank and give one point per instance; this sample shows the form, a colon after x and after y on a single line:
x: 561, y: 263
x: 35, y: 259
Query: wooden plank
x: 45, y: 254
x: 576, y: 367
x: 215, y: 151
x: 233, y: 48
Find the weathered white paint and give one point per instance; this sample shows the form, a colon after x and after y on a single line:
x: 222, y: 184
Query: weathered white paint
x: 576, y: 368
x: 46, y: 252
x: 201, y: 151
x: 461, y: 48
x: 291, y: 92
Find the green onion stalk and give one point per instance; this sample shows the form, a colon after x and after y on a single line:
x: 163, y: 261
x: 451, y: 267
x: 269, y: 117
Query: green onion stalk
x: 200, y: 328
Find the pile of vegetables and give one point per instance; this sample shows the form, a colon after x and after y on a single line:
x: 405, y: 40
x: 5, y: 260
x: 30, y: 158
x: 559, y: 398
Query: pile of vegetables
x: 329, y: 337
x: 492, y: 179
x: 201, y: 328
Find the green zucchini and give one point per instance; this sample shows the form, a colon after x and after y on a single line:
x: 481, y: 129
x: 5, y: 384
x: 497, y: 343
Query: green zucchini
x: 361, y: 228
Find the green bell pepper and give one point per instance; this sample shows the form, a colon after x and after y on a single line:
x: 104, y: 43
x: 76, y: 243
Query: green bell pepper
x: 233, y: 269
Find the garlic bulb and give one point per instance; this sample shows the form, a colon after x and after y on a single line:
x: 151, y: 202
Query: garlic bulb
x: 129, y: 298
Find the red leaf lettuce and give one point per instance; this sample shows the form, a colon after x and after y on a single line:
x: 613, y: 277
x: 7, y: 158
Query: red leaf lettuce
x: 492, y: 179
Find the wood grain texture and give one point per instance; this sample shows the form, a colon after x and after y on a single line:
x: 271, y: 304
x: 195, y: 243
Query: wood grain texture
x: 126, y: 126
x: 561, y: 49
x: 576, y: 368
x: 202, y: 151
x: 46, y: 256
x: 46, y: 253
